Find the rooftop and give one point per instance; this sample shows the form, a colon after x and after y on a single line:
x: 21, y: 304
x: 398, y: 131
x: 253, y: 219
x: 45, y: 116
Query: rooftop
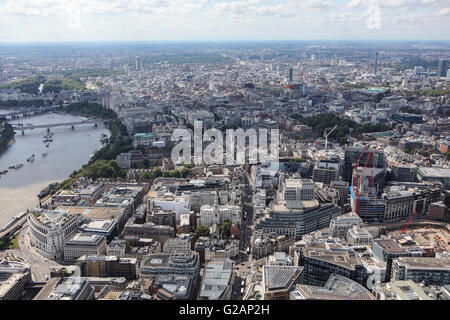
x: 435, y: 172
x: 336, y: 288
x: 425, y: 263
x: 103, y: 213
x: 51, y: 217
x: 83, y: 238
x: 390, y: 246
x: 338, y: 256
x: 280, y: 277
x: 215, y: 279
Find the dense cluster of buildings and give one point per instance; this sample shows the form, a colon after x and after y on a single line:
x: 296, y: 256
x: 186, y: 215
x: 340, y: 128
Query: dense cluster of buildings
x: 360, y: 213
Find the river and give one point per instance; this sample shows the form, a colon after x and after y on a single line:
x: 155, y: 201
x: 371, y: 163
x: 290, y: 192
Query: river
x: 69, y: 150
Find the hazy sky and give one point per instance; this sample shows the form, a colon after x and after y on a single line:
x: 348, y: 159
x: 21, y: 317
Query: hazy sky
x: 91, y: 20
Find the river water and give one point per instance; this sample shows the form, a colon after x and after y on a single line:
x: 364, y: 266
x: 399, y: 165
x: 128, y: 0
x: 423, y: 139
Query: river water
x: 69, y: 150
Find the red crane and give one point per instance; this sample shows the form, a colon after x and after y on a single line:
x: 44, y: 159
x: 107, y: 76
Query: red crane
x: 355, y: 179
x: 409, y: 221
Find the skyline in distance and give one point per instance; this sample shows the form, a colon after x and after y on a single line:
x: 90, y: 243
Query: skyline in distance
x: 222, y: 20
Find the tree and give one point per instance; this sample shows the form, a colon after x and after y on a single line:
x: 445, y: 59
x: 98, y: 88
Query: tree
x: 175, y: 174
x: 106, y: 172
x: 185, y: 172
x: 235, y: 231
x: 447, y: 154
x: 202, y: 231
x: 225, y: 228
x: 114, y: 165
x: 145, y: 176
x: 157, y: 173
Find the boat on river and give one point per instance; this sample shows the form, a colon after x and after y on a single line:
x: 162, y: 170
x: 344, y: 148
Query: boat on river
x: 17, y: 166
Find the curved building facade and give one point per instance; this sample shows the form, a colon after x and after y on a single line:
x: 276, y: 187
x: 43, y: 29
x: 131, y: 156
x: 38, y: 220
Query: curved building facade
x: 49, y: 229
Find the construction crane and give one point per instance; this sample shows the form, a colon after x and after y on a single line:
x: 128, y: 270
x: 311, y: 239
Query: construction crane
x: 355, y: 177
x: 325, y: 134
x: 409, y: 221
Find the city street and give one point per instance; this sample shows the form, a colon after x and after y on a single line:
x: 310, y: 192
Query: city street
x: 40, y: 266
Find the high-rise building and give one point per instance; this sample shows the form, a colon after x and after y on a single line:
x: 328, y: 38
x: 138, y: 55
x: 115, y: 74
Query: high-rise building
x: 138, y: 63
x: 404, y: 172
x: 442, y: 67
x: 353, y: 153
x: 375, y: 69
x: 296, y: 212
x: 291, y: 75
x: 321, y: 260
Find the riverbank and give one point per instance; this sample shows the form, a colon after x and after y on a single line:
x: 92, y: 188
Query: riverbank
x: 102, y: 164
x: 18, y: 200
x: 69, y: 151
x: 7, y: 137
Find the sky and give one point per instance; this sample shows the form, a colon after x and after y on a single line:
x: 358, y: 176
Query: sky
x: 222, y: 20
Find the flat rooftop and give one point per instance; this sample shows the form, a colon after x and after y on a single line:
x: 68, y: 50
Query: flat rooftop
x: 215, y: 279
x: 52, y: 217
x: 103, y: 213
x: 290, y: 205
x: 338, y: 257
x: 425, y: 263
x: 435, y: 172
x: 390, y: 246
x: 83, y: 238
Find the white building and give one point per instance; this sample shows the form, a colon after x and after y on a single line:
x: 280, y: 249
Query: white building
x: 263, y: 177
x: 357, y: 236
x: 169, y: 202
x: 49, y: 229
x: 340, y: 225
x: 298, y: 189
x: 232, y: 249
x: 280, y: 259
x: 259, y: 202
x: 217, y: 214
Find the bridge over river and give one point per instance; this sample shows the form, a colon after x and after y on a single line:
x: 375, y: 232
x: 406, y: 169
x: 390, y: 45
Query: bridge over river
x: 20, y: 127
x: 27, y: 112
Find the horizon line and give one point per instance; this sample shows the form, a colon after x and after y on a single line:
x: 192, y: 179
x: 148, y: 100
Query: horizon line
x: 219, y: 41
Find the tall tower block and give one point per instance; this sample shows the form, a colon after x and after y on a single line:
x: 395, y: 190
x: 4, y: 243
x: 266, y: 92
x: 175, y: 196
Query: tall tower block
x: 375, y: 69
